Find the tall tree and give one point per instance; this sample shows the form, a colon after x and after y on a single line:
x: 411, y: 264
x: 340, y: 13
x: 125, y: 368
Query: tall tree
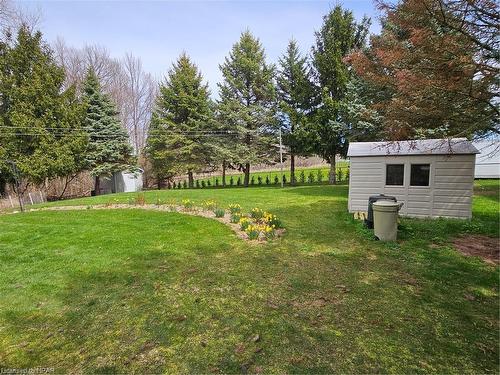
x: 297, y: 95
x: 436, y: 61
x: 181, y: 120
x: 109, y: 149
x: 248, y: 102
x: 40, y: 123
x: 339, y: 35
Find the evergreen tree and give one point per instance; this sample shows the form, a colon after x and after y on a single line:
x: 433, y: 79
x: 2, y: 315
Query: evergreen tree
x: 296, y: 94
x: 40, y: 122
x: 181, y: 118
x: 248, y: 102
x: 109, y: 149
x: 339, y: 35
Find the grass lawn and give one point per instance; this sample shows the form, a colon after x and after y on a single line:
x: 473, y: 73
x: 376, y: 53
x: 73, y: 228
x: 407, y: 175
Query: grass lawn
x: 105, y: 291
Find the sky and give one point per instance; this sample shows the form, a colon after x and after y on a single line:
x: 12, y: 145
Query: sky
x: 158, y: 31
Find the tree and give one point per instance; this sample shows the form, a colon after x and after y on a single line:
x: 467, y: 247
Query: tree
x: 297, y: 95
x: 339, y: 35
x: 180, y: 121
x: 435, y: 61
x: 248, y: 102
x: 40, y: 122
x: 109, y: 150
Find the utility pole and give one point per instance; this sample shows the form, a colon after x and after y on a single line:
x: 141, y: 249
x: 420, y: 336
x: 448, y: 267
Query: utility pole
x: 281, y: 159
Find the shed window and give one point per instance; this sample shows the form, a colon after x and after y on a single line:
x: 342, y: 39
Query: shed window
x: 420, y: 174
x: 394, y: 174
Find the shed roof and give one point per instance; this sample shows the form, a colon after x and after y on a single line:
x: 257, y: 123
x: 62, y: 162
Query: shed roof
x: 414, y: 147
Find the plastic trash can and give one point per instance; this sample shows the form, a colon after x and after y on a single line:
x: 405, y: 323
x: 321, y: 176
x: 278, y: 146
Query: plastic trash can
x: 385, y: 218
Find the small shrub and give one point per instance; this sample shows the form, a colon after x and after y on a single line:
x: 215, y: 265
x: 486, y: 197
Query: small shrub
x: 209, y: 205
x: 272, y: 220
x: 231, y: 181
x: 203, y: 184
x: 174, y: 185
x: 268, y: 181
x: 244, y: 222
x: 319, y: 176
x: 197, y: 184
x: 310, y: 178
x: 140, y: 200
x: 252, y: 181
x: 259, y: 180
x: 234, y: 208
x: 235, y: 217
x: 256, y: 213
x: 252, y: 232
x: 219, y: 212
x: 184, y: 184
x: 188, y: 204
x: 276, y: 180
x: 216, y: 182
x: 238, y: 181
x: 284, y: 180
x: 209, y: 183
x: 179, y: 185
x: 302, y: 177
x: 340, y: 175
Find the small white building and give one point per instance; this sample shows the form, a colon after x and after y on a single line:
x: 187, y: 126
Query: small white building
x: 122, y: 182
x: 488, y: 159
x: 433, y: 178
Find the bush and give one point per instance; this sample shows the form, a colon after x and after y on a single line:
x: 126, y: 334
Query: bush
x: 231, y: 181
x: 216, y: 182
x: 140, y: 200
x: 302, y: 177
x: 238, y: 181
x: 209, y: 183
x: 268, y: 181
x: 284, y: 180
x: 173, y: 185
x: 252, y: 181
x: 244, y: 223
x: 188, y: 204
x: 219, y: 212
x: 319, y: 176
x: 178, y: 185
x: 234, y: 208
x: 203, y: 184
x: 197, y: 184
x: 184, y: 184
x: 276, y: 180
x: 259, y: 180
x: 310, y: 178
x: 340, y: 175
x: 256, y: 213
x: 235, y: 217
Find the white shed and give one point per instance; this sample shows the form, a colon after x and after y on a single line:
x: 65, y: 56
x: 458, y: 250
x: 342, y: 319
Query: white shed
x: 433, y: 178
x: 122, y: 182
x: 488, y: 160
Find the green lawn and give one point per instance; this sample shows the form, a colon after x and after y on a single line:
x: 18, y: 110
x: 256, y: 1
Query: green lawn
x: 135, y: 291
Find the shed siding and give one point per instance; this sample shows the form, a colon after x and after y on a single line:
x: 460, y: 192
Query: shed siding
x: 449, y: 193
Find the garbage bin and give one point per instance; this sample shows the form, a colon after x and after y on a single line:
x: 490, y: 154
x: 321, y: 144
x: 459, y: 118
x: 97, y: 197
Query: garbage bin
x: 385, y: 218
x: 372, y: 199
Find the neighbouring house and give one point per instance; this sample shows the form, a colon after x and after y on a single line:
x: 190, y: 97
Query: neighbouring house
x: 433, y: 178
x: 488, y: 159
x: 121, y: 182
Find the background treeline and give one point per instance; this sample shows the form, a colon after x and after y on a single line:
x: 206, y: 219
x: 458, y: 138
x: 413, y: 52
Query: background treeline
x: 432, y: 72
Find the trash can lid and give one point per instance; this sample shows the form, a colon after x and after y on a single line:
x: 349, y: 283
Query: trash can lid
x: 386, y: 205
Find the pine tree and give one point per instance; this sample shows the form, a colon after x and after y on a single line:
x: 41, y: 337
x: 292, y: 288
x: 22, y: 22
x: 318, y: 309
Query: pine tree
x: 109, y: 150
x: 181, y: 118
x: 247, y: 102
x: 41, y: 123
x: 339, y: 35
x: 297, y: 95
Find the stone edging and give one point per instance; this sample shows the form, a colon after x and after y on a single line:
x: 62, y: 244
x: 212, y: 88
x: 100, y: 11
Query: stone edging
x: 195, y: 211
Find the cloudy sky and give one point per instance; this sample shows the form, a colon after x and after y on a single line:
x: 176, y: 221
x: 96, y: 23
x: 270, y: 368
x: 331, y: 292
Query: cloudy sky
x: 158, y: 31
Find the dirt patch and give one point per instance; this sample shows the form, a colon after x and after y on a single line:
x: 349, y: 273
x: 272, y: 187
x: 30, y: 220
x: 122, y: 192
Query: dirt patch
x: 487, y: 248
